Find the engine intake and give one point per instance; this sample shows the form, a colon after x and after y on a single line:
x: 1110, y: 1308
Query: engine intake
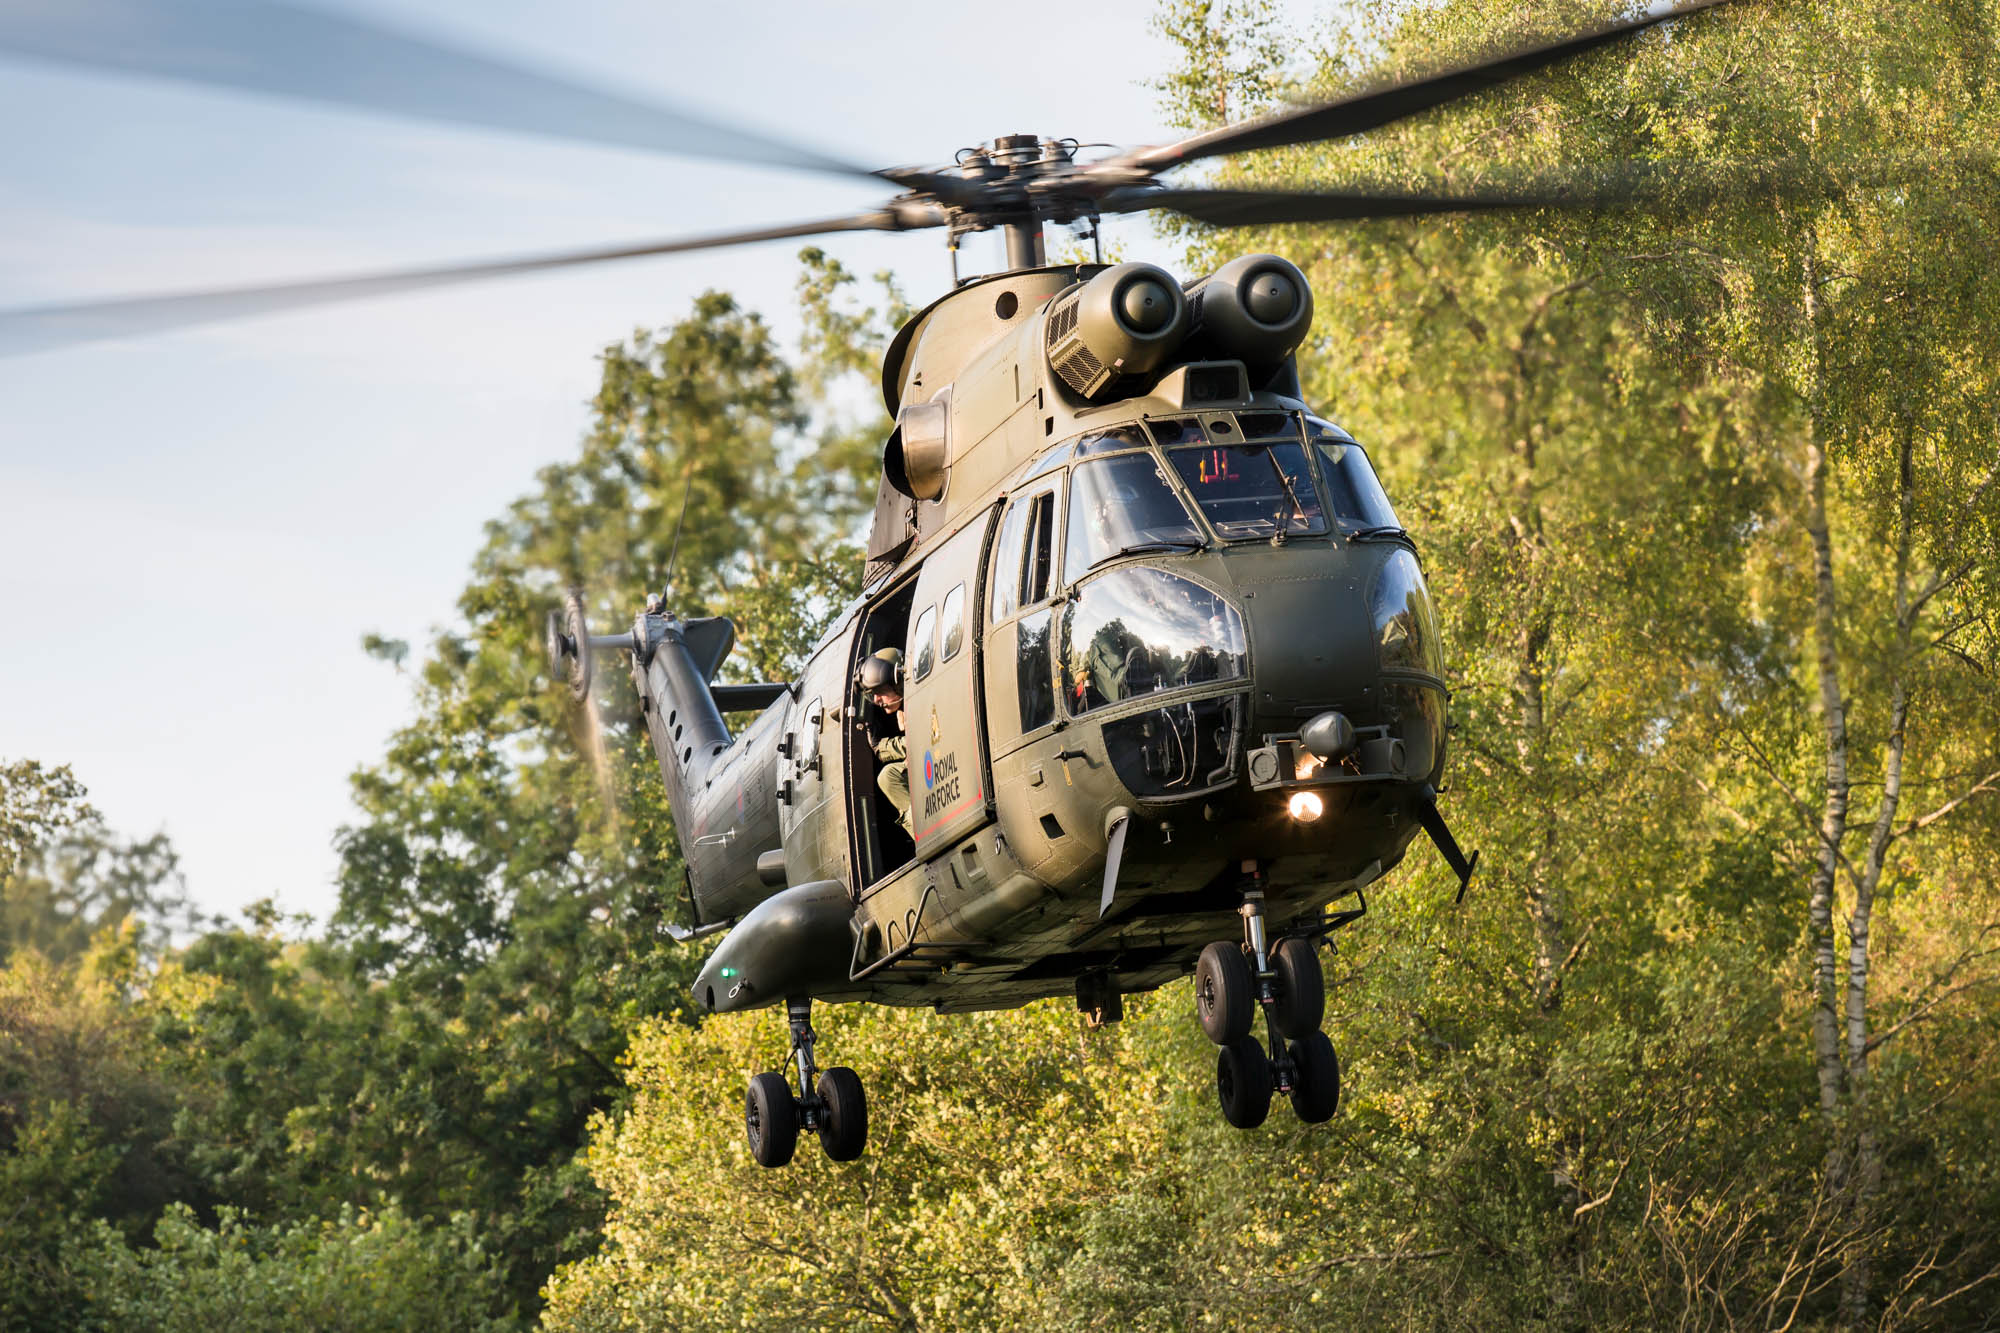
x: 1128, y: 320
x: 1256, y: 310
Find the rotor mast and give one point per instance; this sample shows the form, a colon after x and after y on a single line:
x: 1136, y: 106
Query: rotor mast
x: 1024, y: 153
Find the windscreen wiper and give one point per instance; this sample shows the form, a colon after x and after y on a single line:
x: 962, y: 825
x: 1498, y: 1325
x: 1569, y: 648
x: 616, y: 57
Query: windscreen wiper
x: 1277, y: 469
x: 1152, y: 548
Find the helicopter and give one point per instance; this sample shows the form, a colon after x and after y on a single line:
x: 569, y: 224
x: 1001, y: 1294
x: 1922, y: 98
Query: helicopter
x: 1157, y: 653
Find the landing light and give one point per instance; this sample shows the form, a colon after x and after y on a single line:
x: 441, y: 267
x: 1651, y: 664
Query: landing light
x: 1306, y: 806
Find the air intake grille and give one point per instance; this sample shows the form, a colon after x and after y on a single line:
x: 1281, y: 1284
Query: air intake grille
x: 1061, y: 321
x: 1079, y: 369
x: 1074, y: 363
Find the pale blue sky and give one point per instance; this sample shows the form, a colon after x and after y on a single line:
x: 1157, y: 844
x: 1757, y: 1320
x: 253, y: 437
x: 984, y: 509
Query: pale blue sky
x: 197, y: 528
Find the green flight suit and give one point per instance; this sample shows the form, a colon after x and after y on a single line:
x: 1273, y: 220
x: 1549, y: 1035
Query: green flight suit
x: 894, y: 779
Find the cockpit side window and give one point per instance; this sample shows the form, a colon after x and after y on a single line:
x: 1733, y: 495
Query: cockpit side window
x: 1120, y: 506
x: 1353, y: 491
x: 1006, y: 578
x: 1038, y: 560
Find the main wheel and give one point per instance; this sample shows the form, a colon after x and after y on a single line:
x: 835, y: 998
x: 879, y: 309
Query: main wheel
x: 1225, y: 995
x: 1243, y: 1083
x: 1316, y: 1078
x: 771, y: 1120
x: 843, y: 1129
x: 1300, y: 987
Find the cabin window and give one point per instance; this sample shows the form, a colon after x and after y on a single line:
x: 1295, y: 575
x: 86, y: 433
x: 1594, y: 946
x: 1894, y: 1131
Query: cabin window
x: 809, y: 734
x: 1252, y: 490
x: 1005, y: 579
x: 954, y: 621
x: 923, y: 644
x: 1136, y: 631
x: 1123, y: 506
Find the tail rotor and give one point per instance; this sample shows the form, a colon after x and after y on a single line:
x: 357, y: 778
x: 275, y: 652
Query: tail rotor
x: 566, y: 638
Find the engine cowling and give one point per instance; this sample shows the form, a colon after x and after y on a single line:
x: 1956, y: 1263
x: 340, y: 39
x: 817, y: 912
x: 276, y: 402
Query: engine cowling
x: 1256, y: 310
x: 1128, y: 320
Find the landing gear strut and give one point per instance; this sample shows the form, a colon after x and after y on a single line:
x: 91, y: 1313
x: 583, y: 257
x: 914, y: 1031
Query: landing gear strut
x: 1231, y: 982
x: 830, y: 1104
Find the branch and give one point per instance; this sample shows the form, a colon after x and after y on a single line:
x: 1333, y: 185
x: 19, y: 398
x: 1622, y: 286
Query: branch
x: 1380, y: 1257
x: 1575, y: 953
x: 1605, y: 1197
x: 1990, y: 782
x: 1798, y: 802
x: 1924, y: 1009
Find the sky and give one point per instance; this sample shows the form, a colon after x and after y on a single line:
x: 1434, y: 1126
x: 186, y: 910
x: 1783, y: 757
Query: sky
x: 197, y: 528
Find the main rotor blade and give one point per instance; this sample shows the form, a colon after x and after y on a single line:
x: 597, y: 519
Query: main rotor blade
x: 264, y: 46
x: 42, y: 328
x: 1253, y: 208
x: 1380, y: 106
x: 1612, y: 185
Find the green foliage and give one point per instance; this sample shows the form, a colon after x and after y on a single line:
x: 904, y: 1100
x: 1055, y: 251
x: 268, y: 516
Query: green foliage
x: 1672, y: 469
x: 1025, y: 1173
x: 1590, y: 1100
x: 87, y: 879
x: 36, y: 802
x: 357, y: 1271
x: 499, y: 931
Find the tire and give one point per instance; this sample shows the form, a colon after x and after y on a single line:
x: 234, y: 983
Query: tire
x: 771, y: 1120
x: 1225, y: 995
x: 1243, y: 1083
x: 1300, y: 987
x: 1316, y: 1080
x: 843, y: 1129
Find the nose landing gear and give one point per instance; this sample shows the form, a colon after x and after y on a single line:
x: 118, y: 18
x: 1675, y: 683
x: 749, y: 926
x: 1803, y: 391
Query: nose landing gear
x: 1231, y: 982
x: 830, y: 1104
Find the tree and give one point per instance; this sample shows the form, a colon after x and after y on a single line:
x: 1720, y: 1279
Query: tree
x: 36, y: 803
x: 1717, y: 511
x: 507, y: 888
x: 87, y: 879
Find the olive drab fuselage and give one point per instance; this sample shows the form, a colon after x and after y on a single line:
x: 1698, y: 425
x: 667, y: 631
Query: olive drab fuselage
x: 1112, y: 613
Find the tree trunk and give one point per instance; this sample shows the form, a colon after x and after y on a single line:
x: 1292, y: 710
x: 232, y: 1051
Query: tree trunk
x: 1827, y: 1061
x: 1866, y: 1167
x: 1543, y: 889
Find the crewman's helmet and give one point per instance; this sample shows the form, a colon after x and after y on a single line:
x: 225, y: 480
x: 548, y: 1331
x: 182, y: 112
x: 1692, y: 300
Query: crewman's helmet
x: 881, y: 670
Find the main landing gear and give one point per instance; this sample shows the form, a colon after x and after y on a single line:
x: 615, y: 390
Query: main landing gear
x: 1231, y: 982
x: 830, y: 1105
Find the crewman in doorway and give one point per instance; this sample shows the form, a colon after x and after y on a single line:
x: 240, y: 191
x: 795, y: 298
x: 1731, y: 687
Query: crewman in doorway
x: 882, y: 681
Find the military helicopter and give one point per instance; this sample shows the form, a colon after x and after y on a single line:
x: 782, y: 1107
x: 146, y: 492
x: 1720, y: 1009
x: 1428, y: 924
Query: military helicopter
x: 1159, y: 654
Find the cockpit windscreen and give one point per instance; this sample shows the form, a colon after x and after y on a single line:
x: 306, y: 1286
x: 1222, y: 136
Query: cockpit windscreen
x: 1122, y: 506
x: 1252, y: 490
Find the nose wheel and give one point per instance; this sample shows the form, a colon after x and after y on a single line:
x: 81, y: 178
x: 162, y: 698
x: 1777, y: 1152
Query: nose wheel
x: 830, y: 1104
x: 1232, y: 982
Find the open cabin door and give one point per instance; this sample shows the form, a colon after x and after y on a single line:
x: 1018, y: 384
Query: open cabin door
x: 950, y: 786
